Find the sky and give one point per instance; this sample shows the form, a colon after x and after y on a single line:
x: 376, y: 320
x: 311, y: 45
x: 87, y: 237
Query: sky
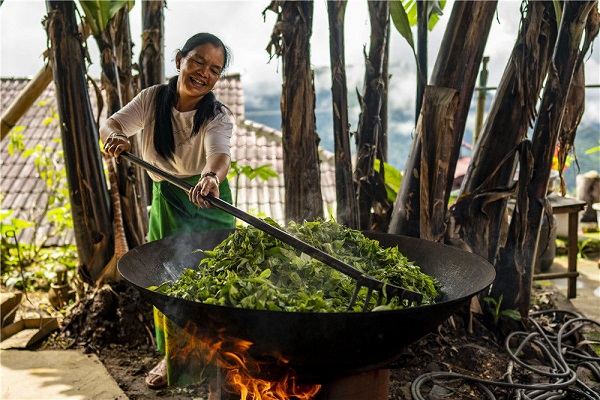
x: 242, y: 26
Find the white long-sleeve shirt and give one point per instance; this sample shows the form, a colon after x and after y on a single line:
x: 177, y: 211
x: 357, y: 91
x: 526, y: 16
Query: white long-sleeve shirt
x: 191, y: 153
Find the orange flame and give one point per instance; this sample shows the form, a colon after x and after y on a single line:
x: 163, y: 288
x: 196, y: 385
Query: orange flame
x: 240, y: 371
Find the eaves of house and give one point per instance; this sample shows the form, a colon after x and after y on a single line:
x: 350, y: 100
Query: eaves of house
x: 253, y: 144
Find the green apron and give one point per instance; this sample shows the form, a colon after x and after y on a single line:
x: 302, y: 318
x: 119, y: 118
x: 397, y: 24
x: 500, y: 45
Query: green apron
x: 172, y: 213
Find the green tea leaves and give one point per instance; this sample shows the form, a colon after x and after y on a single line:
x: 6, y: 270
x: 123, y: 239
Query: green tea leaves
x: 252, y: 269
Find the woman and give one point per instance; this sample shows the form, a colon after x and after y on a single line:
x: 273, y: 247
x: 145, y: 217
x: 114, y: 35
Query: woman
x: 186, y: 132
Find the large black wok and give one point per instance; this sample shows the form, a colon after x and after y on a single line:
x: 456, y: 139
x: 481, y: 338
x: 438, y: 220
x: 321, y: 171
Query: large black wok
x: 318, y: 346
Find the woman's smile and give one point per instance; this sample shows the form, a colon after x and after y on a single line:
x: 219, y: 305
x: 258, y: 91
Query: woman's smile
x: 197, y: 82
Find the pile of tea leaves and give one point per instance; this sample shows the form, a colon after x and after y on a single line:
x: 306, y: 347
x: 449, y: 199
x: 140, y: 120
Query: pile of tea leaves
x: 252, y: 269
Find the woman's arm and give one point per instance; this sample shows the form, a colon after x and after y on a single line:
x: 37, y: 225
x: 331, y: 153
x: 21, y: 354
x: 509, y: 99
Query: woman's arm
x: 215, y: 171
x: 126, y: 122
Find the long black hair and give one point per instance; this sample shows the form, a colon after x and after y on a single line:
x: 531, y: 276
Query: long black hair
x: 166, y: 97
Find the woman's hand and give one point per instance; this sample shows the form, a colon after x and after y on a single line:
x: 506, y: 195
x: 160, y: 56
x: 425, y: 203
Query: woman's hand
x: 116, y: 144
x: 208, y: 184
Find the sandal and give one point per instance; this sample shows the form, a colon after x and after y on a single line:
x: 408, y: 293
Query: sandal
x: 157, y: 377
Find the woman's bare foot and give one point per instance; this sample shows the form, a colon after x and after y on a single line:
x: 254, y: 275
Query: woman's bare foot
x: 157, y: 377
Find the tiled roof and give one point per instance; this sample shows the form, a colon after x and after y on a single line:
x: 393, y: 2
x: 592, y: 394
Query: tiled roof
x: 253, y: 144
x: 22, y: 189
x: 230, y: 92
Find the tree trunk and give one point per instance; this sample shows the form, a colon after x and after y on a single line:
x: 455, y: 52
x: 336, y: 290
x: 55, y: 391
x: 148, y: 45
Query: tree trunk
x: 110, y: 73
x: 570, y: 121
x: 123, y: 48
x: 383, y: 112
x: 435, y: 132
x: 87, y: 187
x: 116, y: 35
x: 291, y: 38
x: 422, y: 26
x: 479, y: 213
x: 132, y: 179
x: 456, y: 68
x: 515, y: 265
x: 370, y: 136
x: 382, y: 210
x: 152, y: 61
x: 110, y: 272
x: 347, y: 211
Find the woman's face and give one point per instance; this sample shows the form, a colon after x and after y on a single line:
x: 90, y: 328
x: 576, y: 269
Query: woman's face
x: 199, y: 70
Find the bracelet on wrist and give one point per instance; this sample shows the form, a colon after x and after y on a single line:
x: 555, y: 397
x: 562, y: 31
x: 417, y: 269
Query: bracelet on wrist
x: 115, y: 134
x: 212, y: 174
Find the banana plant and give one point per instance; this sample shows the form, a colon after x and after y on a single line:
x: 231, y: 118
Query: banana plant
x: 109, y: 24
x: 98, y: 13
x: 407, y: 13
x: 404, y: 16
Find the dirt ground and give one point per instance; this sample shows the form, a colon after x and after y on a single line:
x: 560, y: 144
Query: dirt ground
x: 463, y: 345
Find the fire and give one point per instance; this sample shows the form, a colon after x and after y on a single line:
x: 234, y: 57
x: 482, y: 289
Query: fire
x: 240, y: 371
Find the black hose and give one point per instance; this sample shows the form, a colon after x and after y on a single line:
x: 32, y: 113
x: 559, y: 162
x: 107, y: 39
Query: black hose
x: 563, y: 360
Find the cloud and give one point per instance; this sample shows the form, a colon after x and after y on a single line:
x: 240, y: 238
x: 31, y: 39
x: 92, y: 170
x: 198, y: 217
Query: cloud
x: 246, y: 31
x: 22, y: 38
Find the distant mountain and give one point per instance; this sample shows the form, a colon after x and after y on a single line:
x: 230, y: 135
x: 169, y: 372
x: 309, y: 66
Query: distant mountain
x: 265, y: 110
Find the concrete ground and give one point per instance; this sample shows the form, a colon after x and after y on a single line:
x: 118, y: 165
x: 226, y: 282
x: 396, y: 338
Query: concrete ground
x: 587, y: 301
x: 55, y: 374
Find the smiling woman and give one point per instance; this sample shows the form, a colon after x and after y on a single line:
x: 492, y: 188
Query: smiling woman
x: 199, y: 71
x: 186, y: 132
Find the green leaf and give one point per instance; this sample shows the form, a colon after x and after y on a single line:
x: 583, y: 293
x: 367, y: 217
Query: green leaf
x: 434, y: 11
x: 161, y: 288
x: 401, y: 22
x: 490, y: 300
x: 410, y: 7
x: 593, y: 149
x: 558, y: 11
x: 436, y: 8
x: 5, y: 228
x: 21, y: 223
x: 99, y: 12
x: 4, y: 213
x: 514, y: 314
x: 264, y: 172
x: 28, y: 152
x: 393, y: 179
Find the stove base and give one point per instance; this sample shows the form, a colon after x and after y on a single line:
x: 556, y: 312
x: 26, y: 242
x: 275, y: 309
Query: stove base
x: 372, y: 385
